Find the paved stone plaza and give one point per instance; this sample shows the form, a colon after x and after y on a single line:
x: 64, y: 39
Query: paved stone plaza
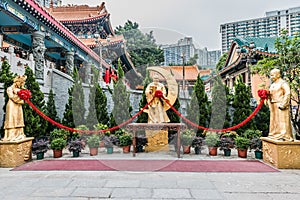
x: 83, y: 185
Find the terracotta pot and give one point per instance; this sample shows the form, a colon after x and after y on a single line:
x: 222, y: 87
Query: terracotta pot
x: 126, y: 149
x: 242, y: 153
x: 101, y: 144
x: 212, y: 151
x: 93, y: 151
x: 57, y: 153
x: 186, y: 149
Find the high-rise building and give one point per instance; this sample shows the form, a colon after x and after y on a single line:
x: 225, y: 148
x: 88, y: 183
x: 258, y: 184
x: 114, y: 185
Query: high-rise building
x: 268, y: 26
x: 184, y: 49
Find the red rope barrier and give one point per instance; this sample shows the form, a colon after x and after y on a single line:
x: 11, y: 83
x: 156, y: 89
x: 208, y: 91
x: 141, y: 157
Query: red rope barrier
x: 218, y: 130
x: 263, y: 94
x: 84, y: 131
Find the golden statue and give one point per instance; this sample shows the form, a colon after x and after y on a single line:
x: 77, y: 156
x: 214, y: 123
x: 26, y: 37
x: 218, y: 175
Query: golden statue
x: 279, y: 103
x: 156, y: 111
x: 14, y: 121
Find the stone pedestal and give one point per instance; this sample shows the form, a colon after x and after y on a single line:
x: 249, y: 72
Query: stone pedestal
x: 13, y: 154
x: 281, y: 154
x: 157, y: 140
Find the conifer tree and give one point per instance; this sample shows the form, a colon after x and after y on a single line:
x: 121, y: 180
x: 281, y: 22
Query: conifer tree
x: 229, y: 99
x: 51, y: 112
x: 262, y: 120
x: 34, y: 124
x: 197, y: 110
x: 241, y: 105
x: 218, y: 104
x: 122, y: 107
x: 6, y: 77
x: 75, y: 105
x: 97, y: 104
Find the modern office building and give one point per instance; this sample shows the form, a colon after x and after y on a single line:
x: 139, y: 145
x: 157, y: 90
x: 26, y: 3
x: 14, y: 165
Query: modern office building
x: 184, y: 49
x: 268, y: 26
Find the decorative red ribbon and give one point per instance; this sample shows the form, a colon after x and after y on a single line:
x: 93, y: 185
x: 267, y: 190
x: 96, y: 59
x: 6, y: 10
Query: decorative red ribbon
x: 263, y: 94
x: 25, y: 96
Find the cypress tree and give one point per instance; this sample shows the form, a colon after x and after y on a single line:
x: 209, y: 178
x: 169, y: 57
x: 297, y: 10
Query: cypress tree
x: 197, y: 110
x: 122, y: 107
x: 241, y: 105
x: 51, y: 112
x: 262, y: 120
x: 218, y: 104
x: 34, y: 124
x: 97, y: 112
x: 6, y: 77
x: 75, y: 105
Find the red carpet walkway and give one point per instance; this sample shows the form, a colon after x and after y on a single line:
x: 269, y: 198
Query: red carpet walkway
x: 149, y: 165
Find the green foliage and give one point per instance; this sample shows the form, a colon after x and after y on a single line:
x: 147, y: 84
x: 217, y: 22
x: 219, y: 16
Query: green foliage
x: 221, y: 62
x: 58, y: 144
x: 187, y: 136
x: 51, y: 112
x: 288, y: 62
x: 218, y: 104
x: 125, y: 139
x: 75, y: 105
x: 35, y: 125
x: 142, y: 47
x: 242, y: 142
x: 59, y: 133
x: 122, y: 107
x: 93, y: 141
x: 6, y: 77
x: 250, y: 134
x: 241, y: 105
x: 99, y: 127
x: 197, y: 110
x: 212, y: 139
x: 262, y: 120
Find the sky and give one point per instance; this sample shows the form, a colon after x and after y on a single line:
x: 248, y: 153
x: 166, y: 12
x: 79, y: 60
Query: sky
x: 172, y: 20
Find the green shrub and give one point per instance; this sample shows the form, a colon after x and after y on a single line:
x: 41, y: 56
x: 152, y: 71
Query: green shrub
x: 125, y: 139
x: 242, y: 142
x: 212, y: 139
x: 93, y: 141
x: 58, y: 144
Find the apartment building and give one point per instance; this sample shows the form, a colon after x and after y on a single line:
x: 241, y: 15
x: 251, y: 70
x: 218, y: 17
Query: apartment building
x: 268, y: 26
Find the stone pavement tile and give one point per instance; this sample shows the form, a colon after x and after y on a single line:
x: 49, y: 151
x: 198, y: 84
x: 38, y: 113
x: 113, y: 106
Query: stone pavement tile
x: 131, y: 192
x: 171, y: 193
x: 87, y: 182
x: 16, y: 192
x: 246, y: 196
x: 53, y: 192
x: 159, y: 183
x: 285, y: 196
x: 188, y: 183
x: 205, y: 194
x: 54, y: 182
x: 51, y: 198
x: 92, y: 192
x: 122, y: 183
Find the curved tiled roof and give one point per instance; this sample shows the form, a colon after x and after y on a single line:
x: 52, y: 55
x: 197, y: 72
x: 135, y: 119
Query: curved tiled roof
x: 261, y: 44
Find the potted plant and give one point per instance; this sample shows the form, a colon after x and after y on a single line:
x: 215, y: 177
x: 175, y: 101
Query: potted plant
x: 93, y: 143
x: 75, y: 146
x: 212, y: 140
x: 226, y: 143
x: 186, y: 139
x: 256, y: 144
x: 197, y: 144
x: 242, y: 144
x: 100, y: 128
x: 109, y: 142
x: 125, y: 141
x: 57, y: 146
x: 39, y: 147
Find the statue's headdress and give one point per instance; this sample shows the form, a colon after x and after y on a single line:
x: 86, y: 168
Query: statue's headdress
x: 20, y: 78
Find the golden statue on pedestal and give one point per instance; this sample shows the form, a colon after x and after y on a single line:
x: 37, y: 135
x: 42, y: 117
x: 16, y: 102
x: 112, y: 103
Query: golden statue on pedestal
x: 279, y: 103
x: 14, y: 121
